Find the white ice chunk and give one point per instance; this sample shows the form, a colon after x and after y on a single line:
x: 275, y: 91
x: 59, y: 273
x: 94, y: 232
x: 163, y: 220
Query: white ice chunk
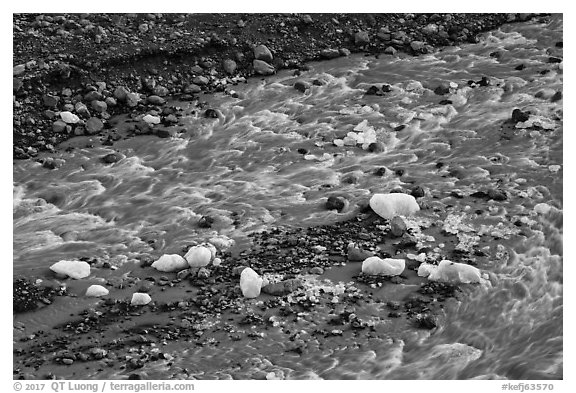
x: 387, y: 267
x: 448, y: 271
x: 140, y: 299
x: 199, y: 256
x: 170, y: 263
x: 250, y: 283
x: 74, y: 269
x: 96, y: 291
x: 390, y: 205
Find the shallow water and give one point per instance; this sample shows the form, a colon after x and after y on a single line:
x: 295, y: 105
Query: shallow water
x: 244, y: 170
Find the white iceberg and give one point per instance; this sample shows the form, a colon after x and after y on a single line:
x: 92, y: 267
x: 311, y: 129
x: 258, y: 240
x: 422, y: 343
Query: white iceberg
x: 250, y: 283
x: 96, y: 291
x: 74, y: 269
x: 390, y: 205
x: 386, y: 267
x: 199, y: 256
x: 451, y: 272
x: 151, y: 119
x: 170, y: 263
x: 140, y: 299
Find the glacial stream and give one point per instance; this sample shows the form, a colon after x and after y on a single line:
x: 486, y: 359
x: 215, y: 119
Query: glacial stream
x: 244, y: 170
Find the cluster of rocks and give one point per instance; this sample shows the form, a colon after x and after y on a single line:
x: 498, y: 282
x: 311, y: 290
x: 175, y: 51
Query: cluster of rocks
x: 139, y: 59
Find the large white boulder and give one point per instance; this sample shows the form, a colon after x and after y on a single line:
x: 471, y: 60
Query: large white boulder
x: 250, y: 283
x: 451, y: 272
x: 170, y: 263
x: 199, y: 256
x: 140, y: 299
x: 390, y: 205
x: 74, y: 269
x: 386, y: 267
x: 96, y: 291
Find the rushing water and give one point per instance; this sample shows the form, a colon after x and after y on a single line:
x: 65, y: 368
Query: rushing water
x: 244, y: 169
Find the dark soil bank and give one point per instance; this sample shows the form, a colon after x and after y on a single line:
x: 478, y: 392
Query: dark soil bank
x: 98, y: 65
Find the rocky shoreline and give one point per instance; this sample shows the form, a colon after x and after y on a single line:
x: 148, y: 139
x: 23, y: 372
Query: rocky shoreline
x: 73, y: 72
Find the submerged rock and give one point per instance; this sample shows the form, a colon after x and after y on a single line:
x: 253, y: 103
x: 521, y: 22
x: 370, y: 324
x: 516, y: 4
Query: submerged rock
x: 250, y: 283
x: 170, y: 263
x: 386, y: 267
x: 140, y: 299
x: 336, y: 203
x: 390, y: 205
x: 73, y: 269
x: 96, y: 291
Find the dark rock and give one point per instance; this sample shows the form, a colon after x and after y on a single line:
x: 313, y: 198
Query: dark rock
x: 92, y: 95
x: 497, y: 195
x: 519, y: 116
x: 336, y: 203
x: 442, y: 89
x: 361, y: 38
x: 390, y: 50
x: 262, y: 68
x: 206, y: 222
x: 520, y: 67
x: 350, y: 178
x: 301, y: 150
x: 344, y: 52
x: 200, y: 80
x: 283, y: 288
x: 372, y: 90
x: 399, y: 172
x: 553, y: 59
x: 120, y: 93
x: 156, y: 100
x: 400, y: 127
x: 426, y: 321
x: 229, y: 66
x: 329, y: 53
x: 417, y: 192
x: 380, y: 171
x: 398, y: 227
x: 132, y: 99
x: 261, y: 52
x: 111, y: 158
x: 59, y: 126
x: 356, y: 254
x: 99, y: 106
x: 559, y: 44
x: 316, y: 270
x: 377, y: 147
x: 211, y: 113
x: 50, y: 101
x: 445, y: 102
x: 302, y: 86
x: 17, y: 84
x: 556, y: 97
x: 94, y: 125
x: 192, y: 89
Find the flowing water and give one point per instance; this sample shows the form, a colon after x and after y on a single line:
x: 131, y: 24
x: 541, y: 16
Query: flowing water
x: 244, y: 170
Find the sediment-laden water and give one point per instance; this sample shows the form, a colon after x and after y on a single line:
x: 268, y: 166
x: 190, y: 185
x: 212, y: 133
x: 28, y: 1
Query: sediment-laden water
x: 244, y: 170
